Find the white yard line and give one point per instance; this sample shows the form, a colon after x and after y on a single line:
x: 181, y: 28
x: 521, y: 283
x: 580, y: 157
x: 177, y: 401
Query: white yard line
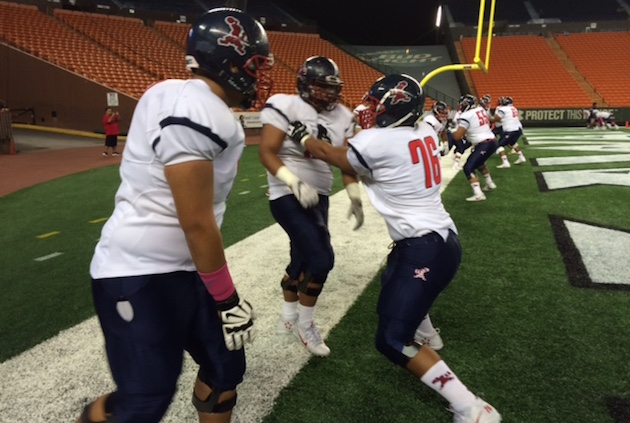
x: 54, y: 380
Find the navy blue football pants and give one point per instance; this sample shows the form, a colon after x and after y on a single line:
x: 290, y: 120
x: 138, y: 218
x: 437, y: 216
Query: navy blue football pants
x: 418, y: 270
x: 311, y: 250
x: 172, y: 312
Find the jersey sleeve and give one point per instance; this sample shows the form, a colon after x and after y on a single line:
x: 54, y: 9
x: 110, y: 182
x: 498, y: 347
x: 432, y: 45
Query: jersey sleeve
x: 182, y: 139
x: 276, y: 112
x: 464, y: 121
x: 196, y: 130
x: 358, y: 156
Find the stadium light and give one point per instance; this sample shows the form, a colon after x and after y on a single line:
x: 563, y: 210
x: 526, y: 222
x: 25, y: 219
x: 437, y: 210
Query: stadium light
x: 438, y: 17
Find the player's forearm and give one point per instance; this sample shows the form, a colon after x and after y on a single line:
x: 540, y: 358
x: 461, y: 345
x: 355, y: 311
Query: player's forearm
x: 206, y: 246
x: 336, y: 156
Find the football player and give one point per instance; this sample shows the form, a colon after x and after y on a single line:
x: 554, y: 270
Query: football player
x: 160, y: 282
x: 437, y: 118
x: 507, y: 114
x: 299, y: 187
x: 398, y: 162
x: 461, y: 145
x: 475, y: 125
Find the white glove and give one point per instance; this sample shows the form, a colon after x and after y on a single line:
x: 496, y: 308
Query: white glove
x: 237, y: 317
x: 356, y: 206
x: 305, y: 194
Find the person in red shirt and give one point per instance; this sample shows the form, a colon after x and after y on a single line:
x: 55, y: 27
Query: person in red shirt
x: 110, y: 122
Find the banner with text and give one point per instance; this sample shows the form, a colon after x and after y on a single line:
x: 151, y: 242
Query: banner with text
x: 567, y: 117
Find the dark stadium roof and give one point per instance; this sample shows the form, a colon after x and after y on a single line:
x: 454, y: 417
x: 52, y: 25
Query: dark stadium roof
x: 392, y: 22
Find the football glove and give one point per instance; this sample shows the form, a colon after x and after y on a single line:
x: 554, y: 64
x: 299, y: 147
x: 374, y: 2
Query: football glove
x: 237, y: 317
x: 356, y: 206
x: 305, y: 194
x: 298, y: 132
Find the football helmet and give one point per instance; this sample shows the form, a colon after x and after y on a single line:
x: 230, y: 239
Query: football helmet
x: 485, y: 101
x: 507, y: 101
x: 467, y: 102
x: 440, y: 111
x: 395, y: 100
x: 232, y: 49
x: 319, y: 84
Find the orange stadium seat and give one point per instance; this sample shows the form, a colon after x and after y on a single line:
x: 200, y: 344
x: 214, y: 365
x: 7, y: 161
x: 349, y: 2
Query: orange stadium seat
x: 526, y: 69
x: 594, y: 55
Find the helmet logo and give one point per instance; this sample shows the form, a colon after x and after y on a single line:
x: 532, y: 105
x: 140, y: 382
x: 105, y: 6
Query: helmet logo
x: 400, y: 95
x: 236, y: 38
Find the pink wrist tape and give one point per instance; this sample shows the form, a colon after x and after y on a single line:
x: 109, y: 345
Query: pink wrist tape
x: 219, y: 283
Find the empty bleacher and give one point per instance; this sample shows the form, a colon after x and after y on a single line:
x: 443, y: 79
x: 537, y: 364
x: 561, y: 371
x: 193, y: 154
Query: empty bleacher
x: 600, y: 58
x: 525, y: 68
x: 26, y: 28
x: 130, y: 39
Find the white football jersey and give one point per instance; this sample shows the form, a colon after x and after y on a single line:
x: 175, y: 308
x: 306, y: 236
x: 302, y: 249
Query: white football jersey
x: 456, y: 119
x: 401, y: 172
x: 477, y: 125
x: 509, y: 118
x: 175, y: 121
x: 282, y: 109
x: 432, y: 121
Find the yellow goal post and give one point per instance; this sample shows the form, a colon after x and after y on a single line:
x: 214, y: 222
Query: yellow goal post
x: 477, y: 64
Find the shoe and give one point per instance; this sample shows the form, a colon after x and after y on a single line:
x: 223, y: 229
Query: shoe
x: 489, y: 187
x: 503, y: 166
x: 520, y: 160
x: 105, y: 154
x: 480, y: 197
x: 479, y: 412
x: 312, y: 340
x: 286, y: 327
x: 432, y: 341
x: 115, y: 153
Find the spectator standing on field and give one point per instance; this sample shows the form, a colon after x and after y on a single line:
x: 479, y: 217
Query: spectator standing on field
x: 112, y: 130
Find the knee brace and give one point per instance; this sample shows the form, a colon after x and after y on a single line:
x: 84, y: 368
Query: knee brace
x: 309, y: 286
x: 212, y: 405
x: 386, y: 344
x: 289, y: 284
x: 500, y: 150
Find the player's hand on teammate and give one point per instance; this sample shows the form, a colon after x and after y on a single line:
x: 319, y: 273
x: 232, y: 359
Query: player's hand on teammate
x: 298, y: 132
x: 237, y: 317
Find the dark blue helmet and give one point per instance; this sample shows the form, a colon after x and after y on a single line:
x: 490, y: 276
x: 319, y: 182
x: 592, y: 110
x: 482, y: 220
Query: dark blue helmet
x: 232, y: 49
x: 396, y: 100
x: 319, y: 84
x: 467, y: 102
x: 440, y: 111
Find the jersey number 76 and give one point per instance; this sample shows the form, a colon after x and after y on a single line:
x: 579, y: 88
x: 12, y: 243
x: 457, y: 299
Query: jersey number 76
x: 432, y: 169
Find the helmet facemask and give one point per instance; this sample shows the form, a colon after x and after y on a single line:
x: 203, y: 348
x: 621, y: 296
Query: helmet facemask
x: 324, y: 94
x: 258, y: 68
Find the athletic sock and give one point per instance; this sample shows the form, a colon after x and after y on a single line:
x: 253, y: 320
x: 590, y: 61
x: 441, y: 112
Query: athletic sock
x: 426, y: 326
x: 442, y: 380
x: 305, y: 315
x: 289, y: 310
x: 476, y: 188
